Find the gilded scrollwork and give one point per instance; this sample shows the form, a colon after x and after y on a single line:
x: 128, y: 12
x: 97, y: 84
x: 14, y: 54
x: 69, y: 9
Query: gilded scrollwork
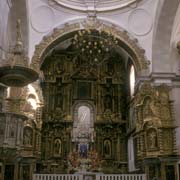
x: 154, y: 119
x: 152, y: 103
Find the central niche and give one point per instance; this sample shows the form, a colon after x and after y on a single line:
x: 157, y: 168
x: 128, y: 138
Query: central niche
x: 83, y: 128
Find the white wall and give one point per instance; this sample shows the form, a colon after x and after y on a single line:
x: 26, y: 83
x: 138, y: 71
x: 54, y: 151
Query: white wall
x: 137, y: 21
x: 4, y: 11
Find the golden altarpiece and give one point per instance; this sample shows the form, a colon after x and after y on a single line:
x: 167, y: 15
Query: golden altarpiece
x: 78, y: 87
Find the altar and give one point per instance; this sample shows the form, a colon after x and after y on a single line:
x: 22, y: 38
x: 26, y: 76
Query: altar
x: 84, y: 164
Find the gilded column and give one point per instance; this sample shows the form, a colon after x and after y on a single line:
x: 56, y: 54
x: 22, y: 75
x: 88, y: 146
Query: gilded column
x: 118, y: 147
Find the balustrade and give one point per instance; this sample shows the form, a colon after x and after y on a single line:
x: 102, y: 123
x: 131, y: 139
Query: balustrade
x: 89, y: 177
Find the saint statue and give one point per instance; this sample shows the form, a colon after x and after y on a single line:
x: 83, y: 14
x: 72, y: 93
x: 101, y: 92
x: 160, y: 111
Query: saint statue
x: 152, y: 139
x: 27, y: 136
x: 107, y: 148
x: 147, y: 111
x: 57, y: 147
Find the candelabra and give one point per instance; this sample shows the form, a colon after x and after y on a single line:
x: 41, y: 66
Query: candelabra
x: 95, y: 46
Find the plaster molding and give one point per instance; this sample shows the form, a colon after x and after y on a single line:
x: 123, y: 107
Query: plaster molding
x: 140, y: 22
x: 91, y: 5
x: 42, y: 19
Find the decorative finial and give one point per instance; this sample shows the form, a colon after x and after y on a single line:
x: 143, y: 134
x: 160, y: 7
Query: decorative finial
x: 91, y: 22
x: 92, y: 18
x: 19, y: 44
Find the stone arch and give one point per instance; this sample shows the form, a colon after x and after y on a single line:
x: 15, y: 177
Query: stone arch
x: 161, y: 45
x: 125, y: 41
x: 175, y: 35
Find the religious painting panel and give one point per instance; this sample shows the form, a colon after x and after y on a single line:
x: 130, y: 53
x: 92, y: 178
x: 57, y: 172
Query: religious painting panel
x: 84, y: 90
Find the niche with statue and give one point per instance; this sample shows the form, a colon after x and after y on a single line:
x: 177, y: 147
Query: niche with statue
x: 57, y: 147
x: 151, y: 139
x: 107, y: 148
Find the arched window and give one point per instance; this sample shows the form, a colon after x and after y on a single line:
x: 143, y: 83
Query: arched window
x: 132, y: 80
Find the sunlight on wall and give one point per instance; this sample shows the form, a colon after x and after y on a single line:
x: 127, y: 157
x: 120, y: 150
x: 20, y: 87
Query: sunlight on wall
x: 132, y: 80
x: 33, y: 101
x: 8, y: 92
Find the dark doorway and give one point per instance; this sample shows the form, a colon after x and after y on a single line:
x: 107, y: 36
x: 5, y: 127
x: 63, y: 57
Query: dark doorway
x: 26, y: 172
x: 170, y: 172
x: 38, y: 168
x: 9, y: 172
x: 0, y: 172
